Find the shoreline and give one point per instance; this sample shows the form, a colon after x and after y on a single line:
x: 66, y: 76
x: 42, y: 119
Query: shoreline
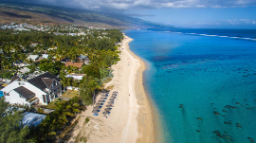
x: 150, y: 131
x: 132, y: 119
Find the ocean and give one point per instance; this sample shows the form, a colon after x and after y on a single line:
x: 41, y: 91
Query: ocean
x: 202, y: 82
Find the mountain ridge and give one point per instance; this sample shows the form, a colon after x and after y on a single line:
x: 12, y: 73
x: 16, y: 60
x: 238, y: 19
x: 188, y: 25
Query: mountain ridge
x: 33, y: 13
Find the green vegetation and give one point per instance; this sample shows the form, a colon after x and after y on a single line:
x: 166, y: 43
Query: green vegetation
x: 55, y: 122
x: 11, y: 130
x: 70, y: 94
x: 15, y: 47
x: 102, y: 52
x: 87, y: 120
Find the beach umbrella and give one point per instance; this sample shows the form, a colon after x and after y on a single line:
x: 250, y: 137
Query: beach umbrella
x: 95, y: 111
x: 103, y: 98
x: 109, y: 106
x: 111, y: 102
x: 112, y: 99
x: 105, y: 113
x: 98, y: 104
x: 115, y: 92
x: 107, y: 109
x: 101, y: 101
x: 96, y: 107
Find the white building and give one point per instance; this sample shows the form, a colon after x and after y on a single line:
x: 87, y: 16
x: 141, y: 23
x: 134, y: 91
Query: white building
x: 45, y: 56
x: 75, y: 76
x: 41, y: 89
x: 33, y: 57
x: 24, y: 70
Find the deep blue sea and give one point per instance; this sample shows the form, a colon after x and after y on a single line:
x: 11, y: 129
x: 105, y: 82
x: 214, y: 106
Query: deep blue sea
x: 202, y: 82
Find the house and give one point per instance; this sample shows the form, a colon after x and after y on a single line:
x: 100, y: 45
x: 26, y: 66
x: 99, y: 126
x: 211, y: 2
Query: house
x: 41, y: 89
x: 78, y: 65
x: 83, y: 58
x: 45, y: 56
x: 75, y: 76
x: 33, y: 57
x: 33, y: 45
x: 24, y: 70
x: 21, y: 63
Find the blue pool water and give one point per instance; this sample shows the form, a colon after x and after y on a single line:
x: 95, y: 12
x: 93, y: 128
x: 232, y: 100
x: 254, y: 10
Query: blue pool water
x: 204, y: 87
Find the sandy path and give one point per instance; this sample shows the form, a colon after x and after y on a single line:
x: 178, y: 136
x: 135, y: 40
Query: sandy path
x: 131, y: 119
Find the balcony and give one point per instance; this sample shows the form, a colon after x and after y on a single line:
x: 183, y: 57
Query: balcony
x: 33, y: 101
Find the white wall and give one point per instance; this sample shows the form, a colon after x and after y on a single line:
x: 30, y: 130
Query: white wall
x: 77, y: 77
x: 14, y: 97
x: 39, y: 93
x: 9, y: 88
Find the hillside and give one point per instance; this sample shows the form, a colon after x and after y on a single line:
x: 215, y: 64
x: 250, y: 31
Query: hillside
x: 35, y: 14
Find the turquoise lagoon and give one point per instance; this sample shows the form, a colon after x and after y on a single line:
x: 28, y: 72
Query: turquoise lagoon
x: 203, y: 85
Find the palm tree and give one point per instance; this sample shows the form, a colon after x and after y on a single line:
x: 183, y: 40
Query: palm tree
x: 112, y: 54
x: 93, y: 85
x: 73, y: 106
x: 92, y: 55
x: 60, y: 115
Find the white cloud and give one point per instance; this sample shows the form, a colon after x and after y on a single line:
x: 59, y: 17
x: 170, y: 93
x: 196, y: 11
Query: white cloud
x: 229, y: 22
x: 146, y: 4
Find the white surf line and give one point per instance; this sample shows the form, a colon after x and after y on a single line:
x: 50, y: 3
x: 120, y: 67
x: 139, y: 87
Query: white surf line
x: 126, y: 129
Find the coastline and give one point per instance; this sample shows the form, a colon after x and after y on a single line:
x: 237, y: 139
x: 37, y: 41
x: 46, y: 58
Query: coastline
x: 148, y: 124
x: 132, y: 118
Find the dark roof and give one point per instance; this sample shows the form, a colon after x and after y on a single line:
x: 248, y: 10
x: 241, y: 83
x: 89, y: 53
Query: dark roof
x: 39, y: 83
x: 48, y: 81
x: 25, y: 92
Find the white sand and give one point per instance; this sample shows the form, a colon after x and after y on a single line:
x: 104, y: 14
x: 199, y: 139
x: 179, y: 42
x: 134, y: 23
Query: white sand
x: 130, y: 119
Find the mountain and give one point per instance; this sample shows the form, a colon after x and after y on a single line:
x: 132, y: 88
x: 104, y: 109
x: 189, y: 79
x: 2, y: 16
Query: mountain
x: 39, y: 14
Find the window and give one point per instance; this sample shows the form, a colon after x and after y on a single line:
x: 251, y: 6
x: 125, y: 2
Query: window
x: 6, y: 94
x: 54, y: 83
x: 44, y: 98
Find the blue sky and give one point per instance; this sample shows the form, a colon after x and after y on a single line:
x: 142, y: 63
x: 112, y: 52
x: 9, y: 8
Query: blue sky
x: 179, y: 13
x: 235, y: 17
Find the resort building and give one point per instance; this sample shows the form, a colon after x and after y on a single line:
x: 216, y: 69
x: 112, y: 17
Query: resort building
x: 37, y: 89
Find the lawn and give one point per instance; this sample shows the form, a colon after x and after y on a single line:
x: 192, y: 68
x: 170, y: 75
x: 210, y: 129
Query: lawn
x: 70, y: 94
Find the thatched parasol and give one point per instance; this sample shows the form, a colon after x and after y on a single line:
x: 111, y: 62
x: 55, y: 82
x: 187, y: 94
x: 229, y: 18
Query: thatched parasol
x: 96, y: 108
x: 99, y: 104
x: 95, y: 111
x: 101, y: 101
x: 109, y: 106
x: 105, y: 113
x: 108, y: 109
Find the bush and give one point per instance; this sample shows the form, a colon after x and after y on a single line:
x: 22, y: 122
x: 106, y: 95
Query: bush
x: 39, y: 110
x: 6, y: 74
x: 87, y: 120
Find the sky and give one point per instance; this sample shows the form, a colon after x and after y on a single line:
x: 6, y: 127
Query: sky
x: 179, y: 13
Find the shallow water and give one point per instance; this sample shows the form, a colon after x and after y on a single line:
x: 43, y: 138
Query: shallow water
x: 204, y: 87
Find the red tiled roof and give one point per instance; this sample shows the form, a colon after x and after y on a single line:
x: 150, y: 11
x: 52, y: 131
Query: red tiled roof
x: 79, y: 65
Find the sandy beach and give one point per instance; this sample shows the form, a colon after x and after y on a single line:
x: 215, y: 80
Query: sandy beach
x: 131, y: 119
